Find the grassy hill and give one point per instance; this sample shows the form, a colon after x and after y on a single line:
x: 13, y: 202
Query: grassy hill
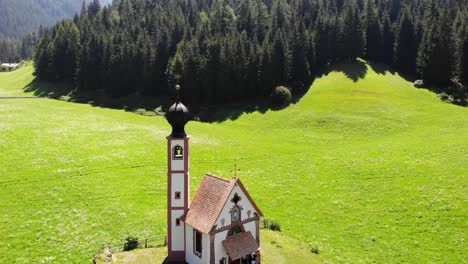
x: 365, y: 167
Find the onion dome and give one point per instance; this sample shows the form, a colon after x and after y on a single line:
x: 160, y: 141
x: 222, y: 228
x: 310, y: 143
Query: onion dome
x: 178, y: 115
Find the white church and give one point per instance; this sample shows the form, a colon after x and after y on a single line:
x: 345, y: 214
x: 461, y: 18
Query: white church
x: 222, y: 223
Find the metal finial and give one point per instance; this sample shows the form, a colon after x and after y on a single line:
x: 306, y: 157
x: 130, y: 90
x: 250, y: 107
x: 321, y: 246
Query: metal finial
x: 235, y: 170
x: 177, y: 87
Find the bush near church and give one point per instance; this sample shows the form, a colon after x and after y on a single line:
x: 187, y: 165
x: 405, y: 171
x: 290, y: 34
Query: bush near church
x: 131, y: 243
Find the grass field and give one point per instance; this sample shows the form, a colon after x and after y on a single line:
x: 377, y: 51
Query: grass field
x: 11, y: 83
x: 365, y: 167
x: 276, y: 249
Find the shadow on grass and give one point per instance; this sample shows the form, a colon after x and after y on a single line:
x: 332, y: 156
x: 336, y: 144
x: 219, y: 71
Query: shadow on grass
x: 383, y: 69
x: 357, y: 70
x: 46, y: 89
x: 155, y: 106
x: 66, y: 92
x: 380, y: 68
x: 353, y: 70
x: 232, y: 111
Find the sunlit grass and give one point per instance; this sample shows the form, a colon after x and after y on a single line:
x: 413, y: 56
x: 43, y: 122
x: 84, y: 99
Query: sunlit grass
x: 11, y: 83
x: 367, y: 171
x: 276, y: 248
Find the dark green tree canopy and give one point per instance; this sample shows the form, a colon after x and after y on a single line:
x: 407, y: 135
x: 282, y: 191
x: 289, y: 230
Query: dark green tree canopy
x: 229, y: 50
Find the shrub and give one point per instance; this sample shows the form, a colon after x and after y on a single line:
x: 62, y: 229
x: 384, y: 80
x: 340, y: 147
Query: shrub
x: 159, y: 111
x: 140, y: 111
x: 149, y: 113
x: 275, y: 226
x: 131, y: 243
x: 65, y: 98
x: 445, y: 97
x: 418, y: 83
x: 281, y: 96
x: 315, y: 250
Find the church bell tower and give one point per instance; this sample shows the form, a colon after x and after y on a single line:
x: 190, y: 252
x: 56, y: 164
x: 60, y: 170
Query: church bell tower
x: 178, y: 181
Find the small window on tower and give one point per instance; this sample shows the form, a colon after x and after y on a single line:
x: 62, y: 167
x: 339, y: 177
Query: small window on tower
x: 177, y: 222
x: 177, y: 195
x: 177, y: 152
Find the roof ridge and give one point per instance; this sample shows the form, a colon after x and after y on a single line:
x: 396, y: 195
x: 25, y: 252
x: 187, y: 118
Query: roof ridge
x: 216, y: 177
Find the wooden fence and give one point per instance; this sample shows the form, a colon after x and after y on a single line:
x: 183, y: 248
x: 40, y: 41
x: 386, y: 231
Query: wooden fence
x: 265, y: 223
x: 150, y: 242
x: 161, y: 240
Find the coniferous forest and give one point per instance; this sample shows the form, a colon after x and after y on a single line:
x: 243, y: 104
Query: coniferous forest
x: 21, y: 21
x: 230, y: 50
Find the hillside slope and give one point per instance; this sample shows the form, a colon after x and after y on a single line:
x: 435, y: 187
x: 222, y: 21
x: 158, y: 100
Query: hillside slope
x: 364, y: 167
x: 17, y: 18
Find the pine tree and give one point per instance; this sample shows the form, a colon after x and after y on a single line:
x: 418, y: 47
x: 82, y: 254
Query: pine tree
x: 84, y: 9
x: 464, y: 58
x: 300, y: 70
x: 458, y: 36
x: 387, y: 41
x: 405, y: 44
x: 433, y: 61
x: 352, y: 34
x: 66, y: 47
x: 265, y: 70
x: 281, y: 60
x: 373, y: 34
x: 322, y: 40
x: 94, y: 8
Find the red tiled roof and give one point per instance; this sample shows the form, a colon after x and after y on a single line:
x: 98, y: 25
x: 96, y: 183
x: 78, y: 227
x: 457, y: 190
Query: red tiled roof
x: 209, y: 201
x: 240, y: 245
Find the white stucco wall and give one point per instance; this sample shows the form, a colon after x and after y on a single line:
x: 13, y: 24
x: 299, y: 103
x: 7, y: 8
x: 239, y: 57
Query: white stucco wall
x: 177, y: 182
x: 251, y: 227
x: 206, y: 249
x: 244, y: 203
x: 177, y: 231
x: 220, y: 252
x: 178, y: 164
x: 189, y: 256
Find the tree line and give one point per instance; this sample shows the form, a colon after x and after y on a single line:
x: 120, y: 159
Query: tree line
x: 13, y: 50
x: 228, y: 50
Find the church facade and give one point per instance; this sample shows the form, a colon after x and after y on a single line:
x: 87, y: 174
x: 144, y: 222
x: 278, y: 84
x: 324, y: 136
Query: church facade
x: 222, y: 223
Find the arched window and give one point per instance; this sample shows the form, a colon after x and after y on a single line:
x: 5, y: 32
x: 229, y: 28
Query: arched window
x: 235, y: 230
x: 235, y: 214
x: 177, y: 152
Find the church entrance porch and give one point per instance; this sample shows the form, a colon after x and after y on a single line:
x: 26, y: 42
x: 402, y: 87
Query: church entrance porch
x: 242, y: 248
x: 248, y: 259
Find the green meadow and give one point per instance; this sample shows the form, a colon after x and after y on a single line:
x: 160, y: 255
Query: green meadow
x: 364, y: 167
x: 277, y: 248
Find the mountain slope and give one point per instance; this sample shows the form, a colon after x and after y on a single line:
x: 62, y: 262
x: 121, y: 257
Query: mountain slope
x: 17, y: 18
x: 364, y: 167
